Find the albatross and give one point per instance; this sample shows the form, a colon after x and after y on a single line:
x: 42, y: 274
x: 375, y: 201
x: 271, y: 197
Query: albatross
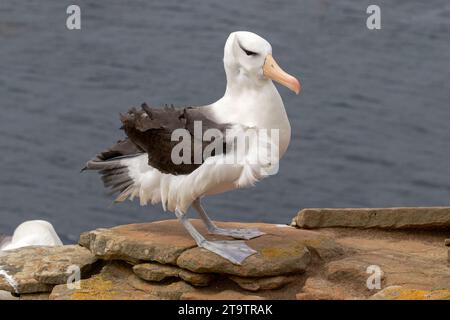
x: 145, y: 164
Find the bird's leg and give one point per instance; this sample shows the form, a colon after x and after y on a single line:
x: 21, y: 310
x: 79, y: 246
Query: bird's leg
x: 234, y: 251
x: 213, y: 229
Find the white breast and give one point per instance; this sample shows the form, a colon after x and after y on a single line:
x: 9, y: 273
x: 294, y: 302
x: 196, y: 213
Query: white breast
x: 262, y: 108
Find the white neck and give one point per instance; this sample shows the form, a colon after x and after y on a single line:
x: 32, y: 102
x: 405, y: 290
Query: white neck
x: 254, y: 104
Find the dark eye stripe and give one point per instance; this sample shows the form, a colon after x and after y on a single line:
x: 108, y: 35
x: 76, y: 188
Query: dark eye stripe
x: 247, y: 52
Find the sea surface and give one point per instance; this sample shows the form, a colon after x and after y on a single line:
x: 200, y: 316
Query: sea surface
x: 370, y: 128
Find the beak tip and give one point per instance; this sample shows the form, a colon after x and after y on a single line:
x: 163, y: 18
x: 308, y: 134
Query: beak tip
x: 272, y: 71
x: 298, y: 87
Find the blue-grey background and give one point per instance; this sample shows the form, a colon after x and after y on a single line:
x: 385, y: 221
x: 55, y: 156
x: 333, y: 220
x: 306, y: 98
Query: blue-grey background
x: 371, y: 127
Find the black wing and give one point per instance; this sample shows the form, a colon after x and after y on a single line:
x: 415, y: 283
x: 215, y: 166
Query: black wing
x: 150, y: 129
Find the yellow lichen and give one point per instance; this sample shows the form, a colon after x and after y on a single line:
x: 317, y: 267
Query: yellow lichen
x: 277, y: 252
x: 414, y: 294
x: 95, y: 288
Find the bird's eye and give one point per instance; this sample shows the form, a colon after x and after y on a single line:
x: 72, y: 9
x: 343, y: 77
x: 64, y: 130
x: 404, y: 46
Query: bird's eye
x: 249, y: 53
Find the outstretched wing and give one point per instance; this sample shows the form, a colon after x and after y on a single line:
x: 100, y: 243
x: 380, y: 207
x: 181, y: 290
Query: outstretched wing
x: 150, y: 129
x: 141, y: 165
x: 149, y: 132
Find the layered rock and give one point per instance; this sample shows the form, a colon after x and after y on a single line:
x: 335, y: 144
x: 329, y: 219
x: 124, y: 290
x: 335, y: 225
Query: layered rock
x: 375, y: 259
x: 116, y: 281
x: 282, y: 253
x: 384, y: 218
x: 161, y: 241
x: 159, y: 260
x: 282, y: 250
x: 385, y: 247
x: 264, y: 283
x: 319, y: 288
x: 158, y: 272
x: 37, y: 269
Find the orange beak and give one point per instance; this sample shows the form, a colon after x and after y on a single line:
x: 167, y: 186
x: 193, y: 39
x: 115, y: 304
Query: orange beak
x: 272, y: 70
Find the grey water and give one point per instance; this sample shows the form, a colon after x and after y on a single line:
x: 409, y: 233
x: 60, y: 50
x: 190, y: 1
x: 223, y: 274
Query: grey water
x: 370, y: 128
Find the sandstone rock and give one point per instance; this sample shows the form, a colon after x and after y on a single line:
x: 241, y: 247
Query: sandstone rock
x: 327, y: 264
x: 330, y: 263
x: 353, y: 271
x: 110, y: 284
x: 317, y: 288
x: 266, y: 283
x: 116, y: 281
x: 401, y: 293
x: 280, y: 251
x: 390, y: 218
x: 155, y: 272
x: 56, y: 266
x: 171, y: 291
x: 17, y: 268
x: 161, y: 241
x: 35, y: 296
x: 268, y: 261
x: 36, y: 269
x: 414, y: 259
x: 159, y: 272
x: 224, y: 295
x: 196, y: 279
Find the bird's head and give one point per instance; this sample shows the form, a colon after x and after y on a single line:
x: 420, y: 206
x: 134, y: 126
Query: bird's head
x: 248, y: 58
